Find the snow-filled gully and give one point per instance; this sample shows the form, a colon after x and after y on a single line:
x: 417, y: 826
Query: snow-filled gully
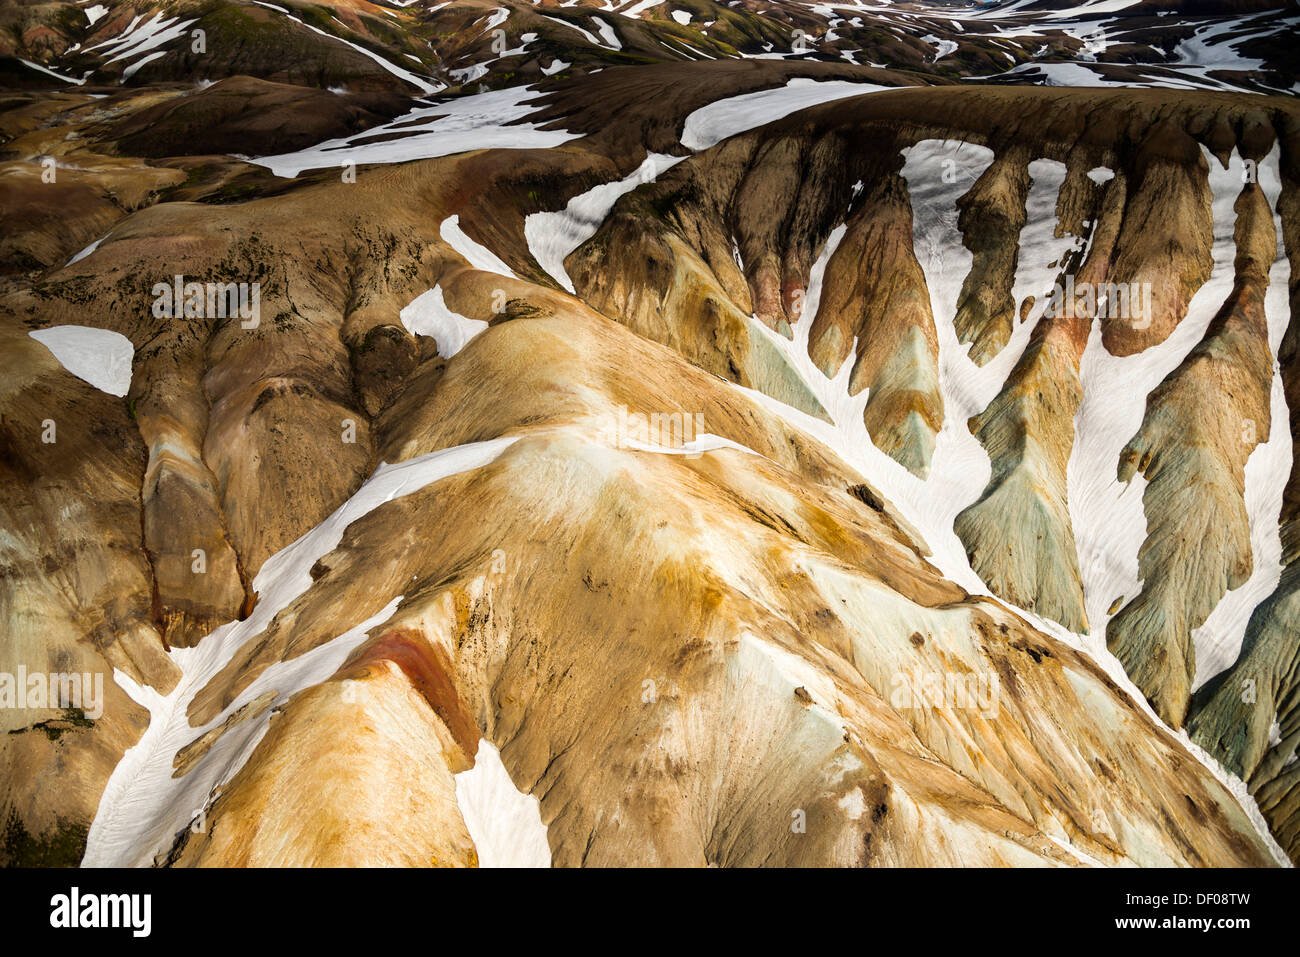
x: 144, y: 807
x: 1108, y: 519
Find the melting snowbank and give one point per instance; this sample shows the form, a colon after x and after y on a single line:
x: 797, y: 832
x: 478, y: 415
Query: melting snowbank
x: 710, y: 125
x: 428, y: 315
x: 504, y: 823
x: 480, y: 121
x: 98, y: 356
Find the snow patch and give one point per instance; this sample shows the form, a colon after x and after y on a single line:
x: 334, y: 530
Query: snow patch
x: 552, y: 237
x: 640, y: 7
x: 480, y: 121
x: 428, y: 315
x: 721, y: 119
x: 505, y: 824
x: 942, y: 47
x: 1101, y: 175
x: 85, y: 252
x: 476, y: 254
x: 48, y: 72
x: 704, y: 442
x: 607, y: 33
x: 98, y: 356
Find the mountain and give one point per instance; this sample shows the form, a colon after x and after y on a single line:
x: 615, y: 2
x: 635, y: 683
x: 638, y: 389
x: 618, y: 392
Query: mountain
x: 674, y: 434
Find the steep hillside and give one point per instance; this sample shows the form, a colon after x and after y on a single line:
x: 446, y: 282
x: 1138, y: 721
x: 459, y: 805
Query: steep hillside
x: 487, y: 434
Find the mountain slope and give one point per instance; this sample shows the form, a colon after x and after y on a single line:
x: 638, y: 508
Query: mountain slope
x: 653, y: 460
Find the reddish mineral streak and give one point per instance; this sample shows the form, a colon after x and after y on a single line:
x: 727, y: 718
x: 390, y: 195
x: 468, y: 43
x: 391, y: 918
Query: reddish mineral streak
x: 427, y: 668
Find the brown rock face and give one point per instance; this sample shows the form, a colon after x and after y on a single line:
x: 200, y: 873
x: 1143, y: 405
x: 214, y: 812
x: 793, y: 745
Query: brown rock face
x: 395, y: 807
x: 76, y: 598
x: 874, y: 297
x: 991, y: 218
x: 338, y: 563
x: 1165, y: 238
x: 1198, y: 545
x: 1018, y: 535
x: 1246, y: 714
x: 263, y: 117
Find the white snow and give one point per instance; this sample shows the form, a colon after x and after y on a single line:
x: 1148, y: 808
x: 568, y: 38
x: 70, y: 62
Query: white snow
x: 960, y: 467
x: 98, y: 356
x: 121, y: 37
x: 95, y: 12
x: 1065, y: 74
x: 695, y: 53
x: 1091, y: 9
x: 1108, y: 517
x: 46, y: 70
x: 470, y: 73
x: 704, y: 442
x: 132, y: 68
x: 712, y: 124
x: 1101, y: 175
x: 1218, y: 640
x: 499, y: 16
x: 682, y: 17
x: 143, y: 807
x: 1208, y: 47
x: 142, y: 38
x: 640, y: 7
x: 428, y: 315
x: 1212, y: 47
x: 476, y: 254
x: 479, y: 70
x: 504, y: 823
x: 85, y: 252
x: 591, y: 37
x: 942, y: 47
x: 150, y: 36
x: 1083, y: 10
x: 479, y: 121
x: 556, y: 66
x: 552, y: 237
x: 607, y: 33
x: 421, y: 84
